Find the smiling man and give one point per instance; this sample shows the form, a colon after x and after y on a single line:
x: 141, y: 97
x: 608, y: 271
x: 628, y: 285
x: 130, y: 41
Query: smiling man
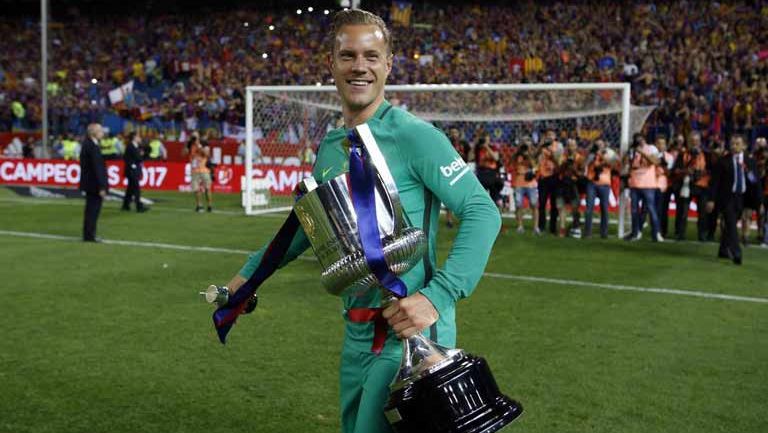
x: 427, y: 171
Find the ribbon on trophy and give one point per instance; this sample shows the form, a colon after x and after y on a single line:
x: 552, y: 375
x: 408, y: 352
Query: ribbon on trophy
x: 362, y: 180
x: 224, y: 317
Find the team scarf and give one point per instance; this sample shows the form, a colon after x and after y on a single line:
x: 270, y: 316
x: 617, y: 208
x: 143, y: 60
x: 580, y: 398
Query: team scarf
x: 362, y: 184
x: 362, y: 181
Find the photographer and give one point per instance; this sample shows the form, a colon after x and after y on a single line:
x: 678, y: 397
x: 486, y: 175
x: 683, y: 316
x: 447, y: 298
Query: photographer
x: 488, y: 162
x: 643, y: 159
x: 600, y: 162
x: 550, y: 155
x: 664, y: 189
x: 201, y: 174
x: 525, y: 184
x: 691, y: 173
x: 571, y: 175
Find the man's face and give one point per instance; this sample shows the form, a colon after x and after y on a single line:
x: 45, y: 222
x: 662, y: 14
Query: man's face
x: 737, y: 145
x: 695, y: 141
x: 661, y: 144
x: 573, y: 146
x: 360, y: 64
x: 454, y: 134
x: 98, y: 132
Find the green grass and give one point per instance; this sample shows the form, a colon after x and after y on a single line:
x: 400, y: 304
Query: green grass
x: 104, y: 338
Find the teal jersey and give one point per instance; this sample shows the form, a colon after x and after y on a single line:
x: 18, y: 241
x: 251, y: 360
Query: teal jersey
x: 428, y: 172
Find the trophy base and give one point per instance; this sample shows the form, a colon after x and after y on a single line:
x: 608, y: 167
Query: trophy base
x: 461, y: 397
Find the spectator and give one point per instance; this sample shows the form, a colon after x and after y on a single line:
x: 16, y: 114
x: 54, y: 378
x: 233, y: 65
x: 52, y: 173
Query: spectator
x: 155, y: 150
x: 93, y: 181
x: 133, y: 159
x: 729, y: 184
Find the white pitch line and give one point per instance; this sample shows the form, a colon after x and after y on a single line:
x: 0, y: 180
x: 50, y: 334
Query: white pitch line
x: 156, y: 208
x: 618, y: 287
x: 621, y: 287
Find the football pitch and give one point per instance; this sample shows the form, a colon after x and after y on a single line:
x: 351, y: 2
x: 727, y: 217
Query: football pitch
x: 589, y: 335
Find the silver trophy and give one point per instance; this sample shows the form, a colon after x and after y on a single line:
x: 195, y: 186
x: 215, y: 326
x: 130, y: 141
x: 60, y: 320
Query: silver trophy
x: 436, y: 389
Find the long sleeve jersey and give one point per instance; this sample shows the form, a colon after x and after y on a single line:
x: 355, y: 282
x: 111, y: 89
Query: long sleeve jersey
x: 427, y: 171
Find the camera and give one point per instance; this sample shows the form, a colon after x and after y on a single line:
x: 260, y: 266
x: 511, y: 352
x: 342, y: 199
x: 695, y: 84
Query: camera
x: 529, y: 175
x: 598, y: 172
x: 594, y: 149
x: 522, y: 149
x: 695, y: 152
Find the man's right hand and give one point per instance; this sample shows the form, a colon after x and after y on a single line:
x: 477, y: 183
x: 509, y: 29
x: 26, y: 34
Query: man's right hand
x: 710, y: 206
x: 235, y: 284
x: 103, y: 193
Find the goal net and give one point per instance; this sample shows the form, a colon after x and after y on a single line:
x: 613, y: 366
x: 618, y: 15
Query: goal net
x: 285, y: 124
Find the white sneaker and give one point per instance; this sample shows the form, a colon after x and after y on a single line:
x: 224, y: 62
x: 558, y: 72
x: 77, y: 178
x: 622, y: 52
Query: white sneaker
x: 659, y: 237
x: 520, y: 229
x: 764, y: 245
x: 536, y: 231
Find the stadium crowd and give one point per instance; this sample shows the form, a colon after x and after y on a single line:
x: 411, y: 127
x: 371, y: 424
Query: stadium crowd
x: 703, y: 65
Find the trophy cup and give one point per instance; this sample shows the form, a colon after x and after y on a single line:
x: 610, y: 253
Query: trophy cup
x: 436, y: 389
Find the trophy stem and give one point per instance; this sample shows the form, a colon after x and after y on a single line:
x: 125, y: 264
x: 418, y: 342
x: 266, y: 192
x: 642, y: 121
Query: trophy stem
x: 419, y: 353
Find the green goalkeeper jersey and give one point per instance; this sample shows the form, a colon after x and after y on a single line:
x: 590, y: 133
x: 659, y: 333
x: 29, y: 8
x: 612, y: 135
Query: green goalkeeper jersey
x: 428, y: 172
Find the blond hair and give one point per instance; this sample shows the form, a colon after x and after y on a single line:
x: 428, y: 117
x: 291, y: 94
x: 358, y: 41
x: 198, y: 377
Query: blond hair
x: 358, y: 17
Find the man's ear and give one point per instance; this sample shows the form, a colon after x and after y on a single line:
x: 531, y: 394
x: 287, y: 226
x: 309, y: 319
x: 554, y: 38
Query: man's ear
x: 390, y: 58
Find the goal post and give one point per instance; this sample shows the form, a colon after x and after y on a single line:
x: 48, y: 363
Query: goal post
x: 285, y: 124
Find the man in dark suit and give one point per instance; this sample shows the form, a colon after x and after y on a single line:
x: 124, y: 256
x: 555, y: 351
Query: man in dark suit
x: 133, y: 158
x: 93, y: 180
x: 728, y: 186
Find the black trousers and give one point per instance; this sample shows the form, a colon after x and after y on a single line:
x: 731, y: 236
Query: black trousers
x: 548, y: 187
x: 663, y: 211
x: 133, y: 193
x: 92, y: 210
x: 681, y: 215
x: 704, y: 221
x: 729, y: 238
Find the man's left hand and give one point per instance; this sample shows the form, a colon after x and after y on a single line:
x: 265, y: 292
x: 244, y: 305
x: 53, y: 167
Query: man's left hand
x: 409, y: 315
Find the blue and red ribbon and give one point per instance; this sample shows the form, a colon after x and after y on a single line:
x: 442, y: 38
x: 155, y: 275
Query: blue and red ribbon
x: 224, y: 317
x: 363, y: 182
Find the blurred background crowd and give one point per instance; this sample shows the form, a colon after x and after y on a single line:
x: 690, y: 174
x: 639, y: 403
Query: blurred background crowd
x: 704, y: 65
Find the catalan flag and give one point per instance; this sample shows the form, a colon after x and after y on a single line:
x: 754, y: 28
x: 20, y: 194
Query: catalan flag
x: 400, y: 13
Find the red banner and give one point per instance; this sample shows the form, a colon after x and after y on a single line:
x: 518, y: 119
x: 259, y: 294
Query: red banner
x: 168, y: 176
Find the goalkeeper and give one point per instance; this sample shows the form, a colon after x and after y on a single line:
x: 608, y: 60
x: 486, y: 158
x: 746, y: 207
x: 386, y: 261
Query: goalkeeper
x: 427, y: 171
